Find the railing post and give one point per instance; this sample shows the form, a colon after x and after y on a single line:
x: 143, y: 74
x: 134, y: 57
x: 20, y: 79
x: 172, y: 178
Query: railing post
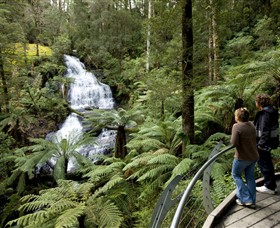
x: 165, y: 203
x: 207, y: 200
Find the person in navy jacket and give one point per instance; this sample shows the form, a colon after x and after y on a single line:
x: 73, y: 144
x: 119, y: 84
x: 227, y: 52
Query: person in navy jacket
x: 267, y: 129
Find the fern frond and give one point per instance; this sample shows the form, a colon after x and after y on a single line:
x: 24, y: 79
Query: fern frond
x: 219, y: 169
x: 217, y: 137
x: 154, y: 185
x: 155, y: 173
x: 102, y: 213
x: 69, y: 218
x: 104, y: 172
x: 33, y: 206
x: 139, y: 161
x: 21, y: 183
x: 110, y: 215
x: 62, y: 205
x: 182, y: 168
x: 59, y: 169
x: 25, y: 220
x: 115, y: 180
x: 164, y: 159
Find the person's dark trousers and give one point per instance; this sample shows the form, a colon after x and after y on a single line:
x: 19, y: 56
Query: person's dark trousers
x: 266, y: 166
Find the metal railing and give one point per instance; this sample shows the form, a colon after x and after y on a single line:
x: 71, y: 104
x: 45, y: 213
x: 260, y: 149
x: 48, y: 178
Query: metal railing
x: 165, y: 202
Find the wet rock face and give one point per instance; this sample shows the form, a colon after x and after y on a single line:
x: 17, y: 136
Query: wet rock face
x: 41, y: 128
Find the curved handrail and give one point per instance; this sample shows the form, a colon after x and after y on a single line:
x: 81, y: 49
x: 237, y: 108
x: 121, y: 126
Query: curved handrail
x: 186, y: 194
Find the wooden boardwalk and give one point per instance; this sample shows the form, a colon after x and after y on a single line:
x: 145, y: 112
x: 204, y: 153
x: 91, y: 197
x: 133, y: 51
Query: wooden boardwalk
x: 230, y: 215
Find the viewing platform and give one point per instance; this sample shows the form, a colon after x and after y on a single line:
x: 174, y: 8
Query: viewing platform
x: 200, y: 208
x: 230, y: 215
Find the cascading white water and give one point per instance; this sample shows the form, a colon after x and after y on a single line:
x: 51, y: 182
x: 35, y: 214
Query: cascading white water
x: 85, y: 92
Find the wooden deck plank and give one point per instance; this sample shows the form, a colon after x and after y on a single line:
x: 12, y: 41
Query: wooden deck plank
x: 271, y: 221
x: 259, y: 215
x: 266, y: 214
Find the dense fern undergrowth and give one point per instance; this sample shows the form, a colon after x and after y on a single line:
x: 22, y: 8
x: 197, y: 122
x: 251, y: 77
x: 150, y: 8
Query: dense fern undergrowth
x: 116, y: 192
x: 121, y: 189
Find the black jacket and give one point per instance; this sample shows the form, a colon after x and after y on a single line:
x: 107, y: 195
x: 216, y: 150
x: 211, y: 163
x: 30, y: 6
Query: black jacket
x: 267, y: 127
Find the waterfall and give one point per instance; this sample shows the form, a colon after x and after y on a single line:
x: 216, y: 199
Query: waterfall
x: 85, y: 92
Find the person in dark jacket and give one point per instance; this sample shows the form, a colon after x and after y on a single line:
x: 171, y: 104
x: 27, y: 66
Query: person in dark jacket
x: 267, y: 127
x: 243, y: 137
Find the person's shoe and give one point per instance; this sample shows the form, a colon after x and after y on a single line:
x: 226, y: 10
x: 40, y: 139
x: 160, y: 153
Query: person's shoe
x: 249, y: 204
x: 244, y: 204
x: 239, y: 202
x: 266, y: 190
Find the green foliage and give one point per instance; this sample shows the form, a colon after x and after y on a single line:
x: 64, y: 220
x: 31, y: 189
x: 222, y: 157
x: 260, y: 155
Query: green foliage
x: 17, y: 122
x: 65, y: 205
x: 9, y: 208
x: 158, y: 135
x: 114, y: 118
x: 110, y: 36
x: 159, y: 92
x: 265, y: 35
x: 102, y: 213
x: 109, y: 179
x: 7, y: 143
x: 62, y: 150
x: 61, y: 46
x: 221, y: 187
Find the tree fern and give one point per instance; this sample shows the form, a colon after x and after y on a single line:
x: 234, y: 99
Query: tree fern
x: 156, y: 135
x: 154, y: 186
x: 42, y: 151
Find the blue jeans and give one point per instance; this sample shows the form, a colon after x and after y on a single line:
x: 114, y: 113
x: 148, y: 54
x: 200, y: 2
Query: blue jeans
x: 245, y: 192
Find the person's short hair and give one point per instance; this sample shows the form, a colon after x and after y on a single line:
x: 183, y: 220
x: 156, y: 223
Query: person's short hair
x: 263, y: 100
x: 242, y: 114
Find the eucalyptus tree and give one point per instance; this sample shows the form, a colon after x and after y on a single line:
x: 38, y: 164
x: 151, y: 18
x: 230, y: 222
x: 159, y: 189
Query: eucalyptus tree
x: 213, y: 43
x: 187, y: 71
x: 148, y: 35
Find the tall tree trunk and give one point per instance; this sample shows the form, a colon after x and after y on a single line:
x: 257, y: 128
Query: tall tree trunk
x: 187, y: 71
x: 210, y: 47
x: 120, y: 145
x: 148, y: 35
x: 213, y: 47
x: 4, y: 84
x: 216, y: 55
x: 267, y: 7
